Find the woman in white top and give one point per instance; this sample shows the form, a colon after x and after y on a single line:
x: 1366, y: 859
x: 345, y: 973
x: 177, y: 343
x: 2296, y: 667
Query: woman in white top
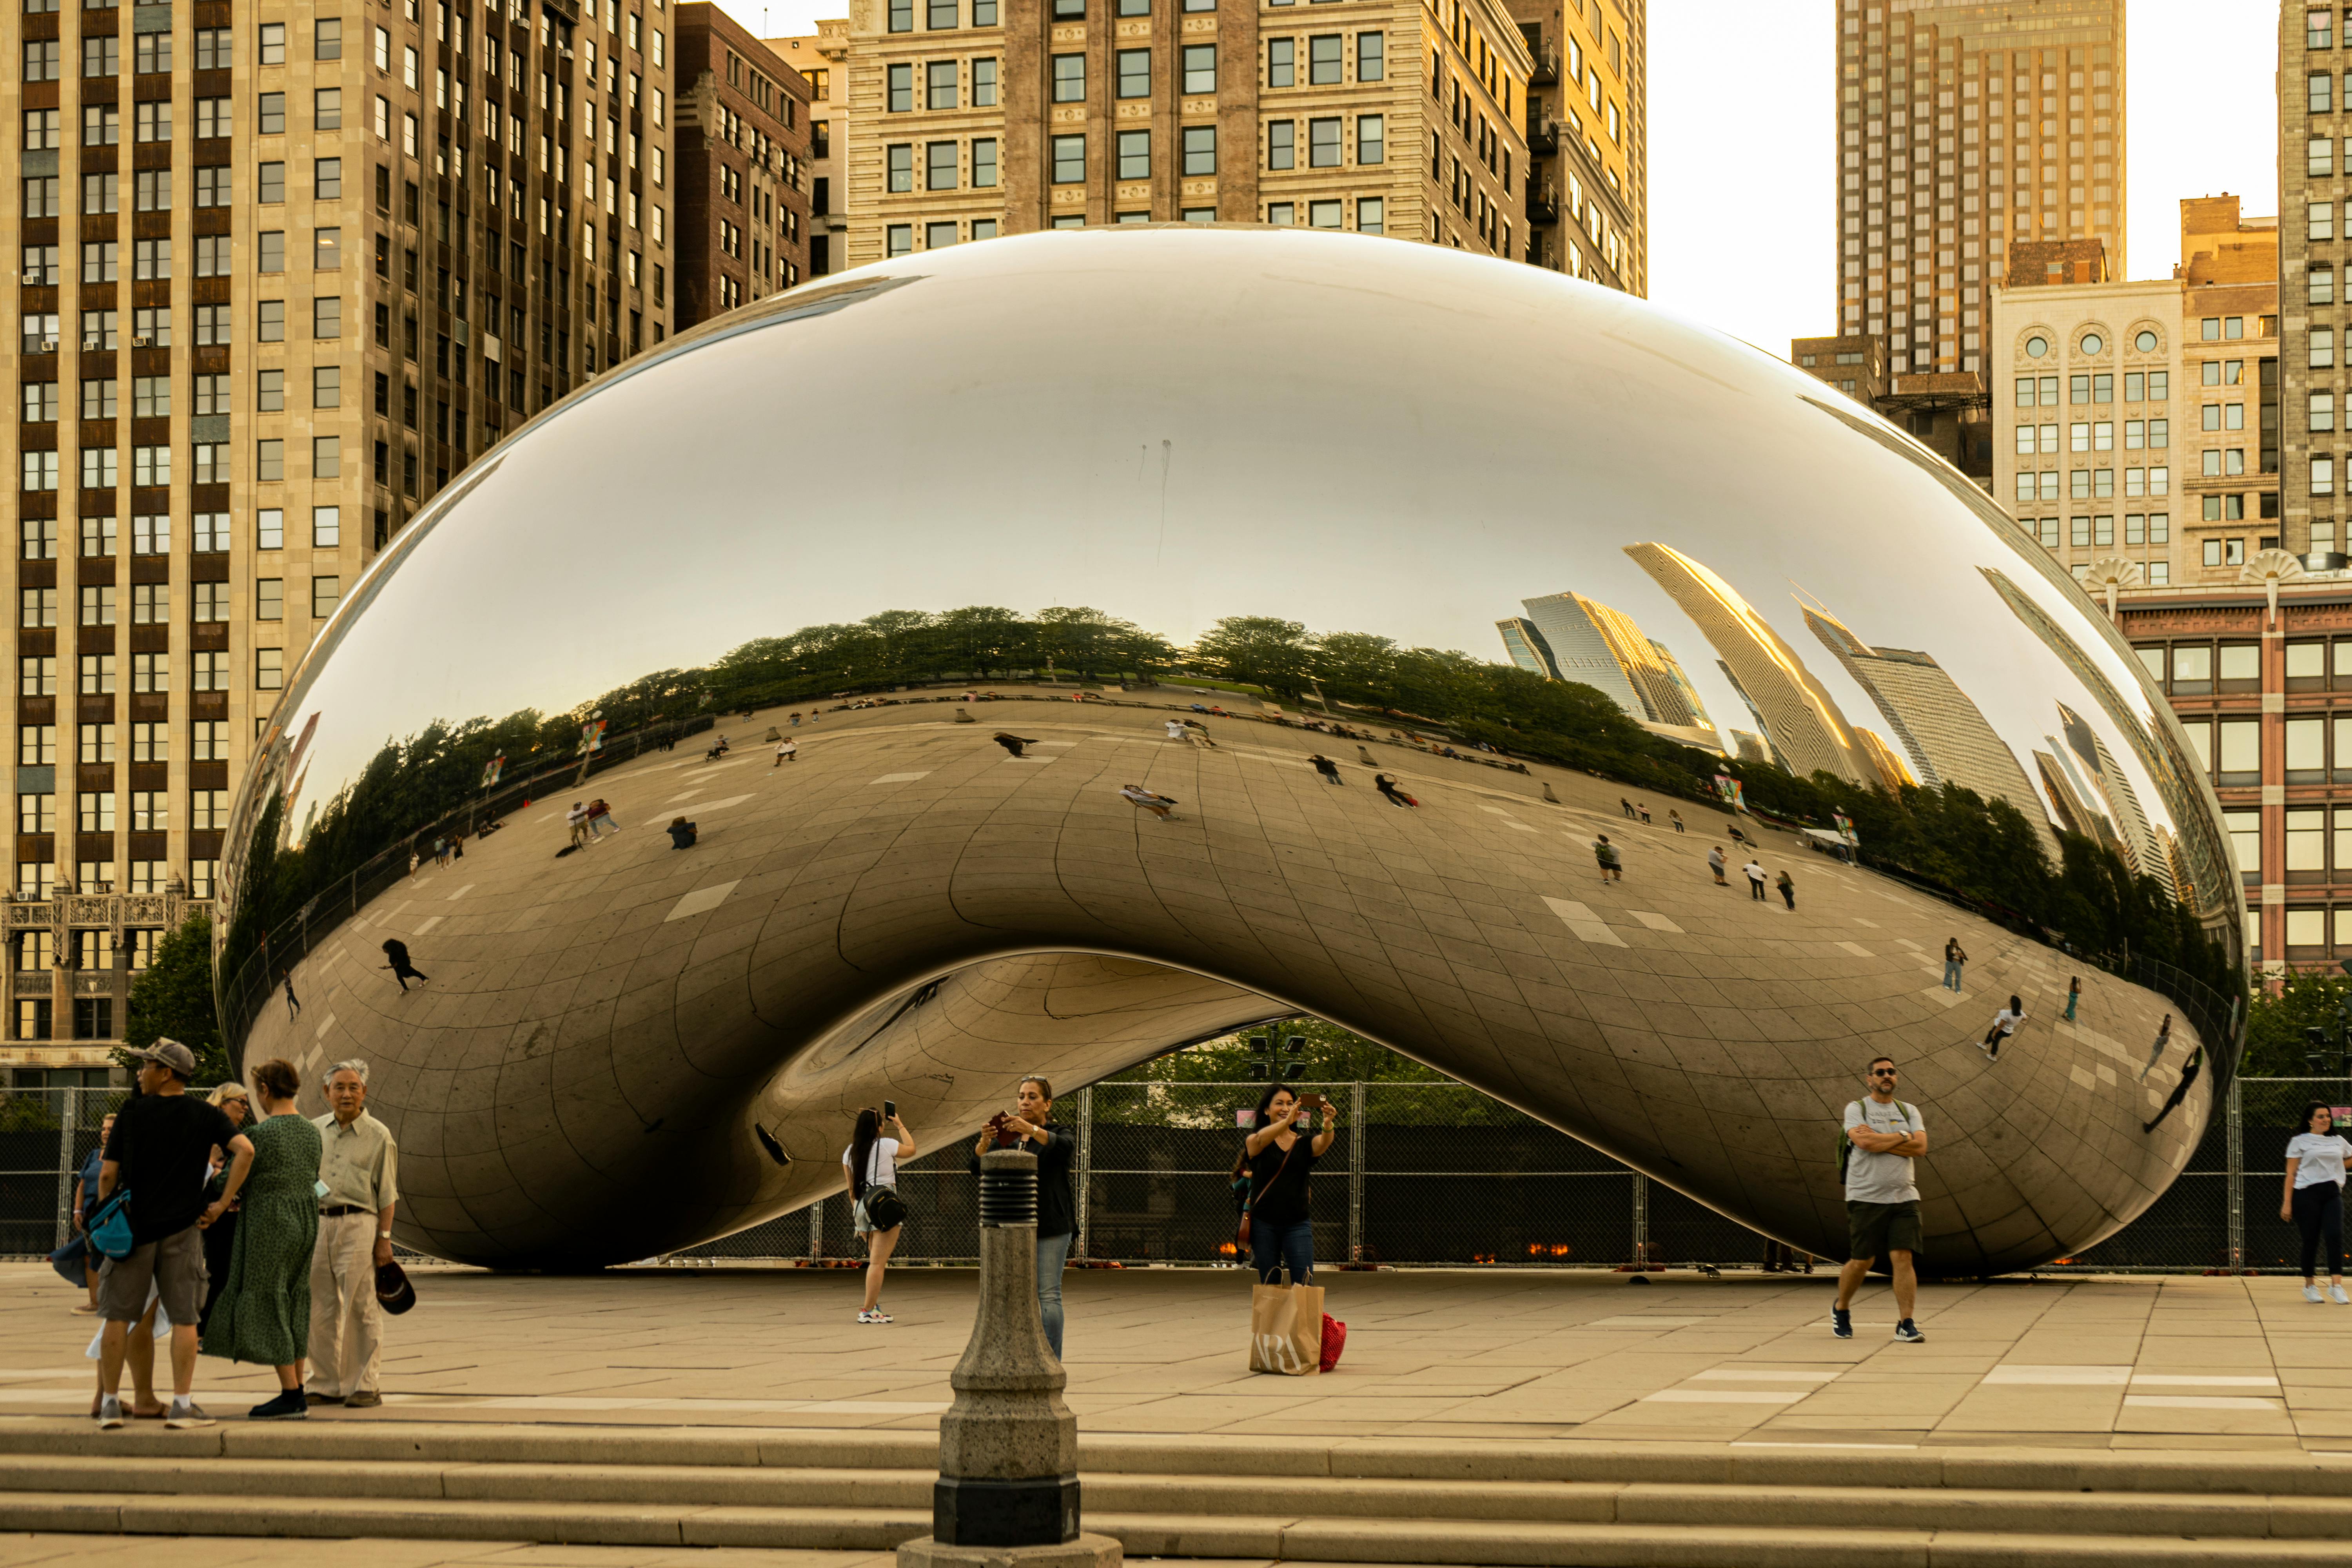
x: 2314, y: 1199
x: 871, y: 1160
x: 2004, y: 1024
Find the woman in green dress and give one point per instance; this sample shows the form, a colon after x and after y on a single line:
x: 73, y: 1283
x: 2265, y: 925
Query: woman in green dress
x: 264, y: 1310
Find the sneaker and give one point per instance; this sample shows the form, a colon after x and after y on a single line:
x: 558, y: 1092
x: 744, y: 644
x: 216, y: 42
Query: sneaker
x: 365, y: 1399
x: 2310, y: 1293
x: 315, y: 1399
x: 1842, y: 1322
x: 874, y: 1315
x: 1909, y: 1332
x: 110, y: 1413
x: 287, y: 1407
x: 2335, y: 1294
x: 185, y: 1413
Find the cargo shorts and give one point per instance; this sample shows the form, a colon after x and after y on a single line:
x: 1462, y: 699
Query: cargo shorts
x: 174, y: 1265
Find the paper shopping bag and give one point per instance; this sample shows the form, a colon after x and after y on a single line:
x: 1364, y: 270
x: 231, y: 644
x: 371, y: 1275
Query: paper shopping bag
x: 1286, y: 1328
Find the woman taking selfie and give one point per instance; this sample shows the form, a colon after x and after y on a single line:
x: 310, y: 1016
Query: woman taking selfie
x: 1029, y: 1125
x: 1282, y: 1155
x: 2314, y: 1199
x: 871, y: 1163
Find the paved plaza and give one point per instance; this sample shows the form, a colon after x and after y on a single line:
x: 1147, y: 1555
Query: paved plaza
x: 2143, y: 1361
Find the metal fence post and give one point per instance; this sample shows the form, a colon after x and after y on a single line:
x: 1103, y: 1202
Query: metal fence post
x: 72, y: 1097
x: 2236, y: 1140
x: 1641, y: 1218
x: 1356, y: 1172
x: 816, y: 1231
x: 1085, y: 1163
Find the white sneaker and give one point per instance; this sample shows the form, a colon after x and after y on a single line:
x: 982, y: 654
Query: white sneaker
x: 2335, y: 1294
x: 110, y: 1413
x: 2310, y: 1293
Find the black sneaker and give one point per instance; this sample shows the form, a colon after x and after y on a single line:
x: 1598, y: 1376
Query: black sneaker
x: 1909, y: 1332
x: 1842, y: 1322
x: 289, y: 1405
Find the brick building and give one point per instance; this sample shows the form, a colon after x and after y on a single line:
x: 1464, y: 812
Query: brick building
x: 742, y: 146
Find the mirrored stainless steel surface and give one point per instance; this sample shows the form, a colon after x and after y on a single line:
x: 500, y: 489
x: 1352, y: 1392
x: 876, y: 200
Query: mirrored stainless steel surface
x: 1184, y: 509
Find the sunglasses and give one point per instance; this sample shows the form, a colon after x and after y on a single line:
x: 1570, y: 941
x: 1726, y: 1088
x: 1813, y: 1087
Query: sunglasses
x: 1882, y: 1073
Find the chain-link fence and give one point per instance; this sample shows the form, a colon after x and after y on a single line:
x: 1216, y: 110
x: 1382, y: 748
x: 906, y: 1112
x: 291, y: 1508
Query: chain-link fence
x: 1429, y: 1174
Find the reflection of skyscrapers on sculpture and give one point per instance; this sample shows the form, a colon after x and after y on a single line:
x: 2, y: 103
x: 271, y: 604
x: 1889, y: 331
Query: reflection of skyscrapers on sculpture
x: 1944, y: 733
x: 2100, y: 771
x: 1751, y: 747
x: 2069, y: 799
x: 1801, y: 719
x: 1571, y: 638
x: 1892, y: 771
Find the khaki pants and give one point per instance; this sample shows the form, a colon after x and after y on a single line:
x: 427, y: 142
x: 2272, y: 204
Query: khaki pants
x: 345, y: 1322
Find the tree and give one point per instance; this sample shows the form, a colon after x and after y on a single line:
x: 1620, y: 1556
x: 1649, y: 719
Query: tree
x: 2276, y: 1041
x: 173, y: 999
x: 1264, y: 651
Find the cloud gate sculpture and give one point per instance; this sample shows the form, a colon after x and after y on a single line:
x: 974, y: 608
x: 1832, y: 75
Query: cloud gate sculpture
x: 994, y: 533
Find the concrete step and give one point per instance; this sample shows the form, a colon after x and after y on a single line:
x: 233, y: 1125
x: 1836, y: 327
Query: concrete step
x: 1498, y: 1545
x: 1298, y: 1500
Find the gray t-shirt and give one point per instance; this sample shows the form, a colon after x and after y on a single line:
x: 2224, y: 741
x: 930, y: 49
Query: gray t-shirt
x: 1880, y: 1178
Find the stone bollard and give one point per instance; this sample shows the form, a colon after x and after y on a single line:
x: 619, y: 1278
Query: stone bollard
x: 1007, y: 1496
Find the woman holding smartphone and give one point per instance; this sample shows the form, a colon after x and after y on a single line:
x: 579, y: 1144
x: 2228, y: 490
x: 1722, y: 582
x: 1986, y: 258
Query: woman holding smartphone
x: 1282, y: 1151
x: 1030, y: 1125
x: 871, y: 1162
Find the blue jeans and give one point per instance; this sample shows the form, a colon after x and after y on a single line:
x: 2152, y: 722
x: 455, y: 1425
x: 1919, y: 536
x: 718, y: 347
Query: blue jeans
x: 1272, y: 1246
x: 1952, y: 973
x: 1053, y: 1251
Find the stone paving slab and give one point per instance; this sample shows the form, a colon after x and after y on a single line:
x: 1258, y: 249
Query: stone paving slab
x: 1515, y: 1355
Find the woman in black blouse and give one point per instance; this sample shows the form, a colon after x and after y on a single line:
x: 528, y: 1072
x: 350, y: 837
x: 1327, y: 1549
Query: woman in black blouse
x: 1030, y: 1126
x: 1282, y: 1156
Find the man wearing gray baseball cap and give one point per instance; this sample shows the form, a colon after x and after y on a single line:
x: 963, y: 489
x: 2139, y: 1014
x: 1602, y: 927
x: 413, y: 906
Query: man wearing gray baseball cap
x: 161, y: 1150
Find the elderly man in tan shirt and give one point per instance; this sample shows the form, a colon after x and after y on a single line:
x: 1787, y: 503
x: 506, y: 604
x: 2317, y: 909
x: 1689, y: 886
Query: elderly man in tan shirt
x: 361, y: 1167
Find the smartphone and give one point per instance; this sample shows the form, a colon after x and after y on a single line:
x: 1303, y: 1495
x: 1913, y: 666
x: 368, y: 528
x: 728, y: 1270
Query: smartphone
x: 890, y: 1109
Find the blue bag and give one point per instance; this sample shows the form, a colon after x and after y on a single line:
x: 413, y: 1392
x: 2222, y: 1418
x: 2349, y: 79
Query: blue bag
x: 67, y: 1260
x: 109, y: 1226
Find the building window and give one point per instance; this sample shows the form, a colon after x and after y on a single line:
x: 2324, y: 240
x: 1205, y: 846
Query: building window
x: 940, y: 84
x: 1282, y: 62
x: 1323, y: 61
x: 939, y: 166
x: 898, y: 240
x: 1070, y: 160
x: 1371, y: 146
x: 983, y: 165
x: 1200, y: 68
x: 1135, y: 154
x: 1281, y: 144
x: 901, y: 88
x: 1369, y: 53
x: 983, y: 80
x: 326, y: 593
x: 901, y: 166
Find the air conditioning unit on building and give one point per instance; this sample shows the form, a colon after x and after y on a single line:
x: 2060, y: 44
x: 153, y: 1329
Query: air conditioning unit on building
x: 91, y: 342
x: 33, y: 279
x: 142, y: 342
x: 48, y: 345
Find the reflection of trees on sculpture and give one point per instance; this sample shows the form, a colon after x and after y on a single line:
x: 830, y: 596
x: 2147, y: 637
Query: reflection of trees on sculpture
x: 1984, y: 848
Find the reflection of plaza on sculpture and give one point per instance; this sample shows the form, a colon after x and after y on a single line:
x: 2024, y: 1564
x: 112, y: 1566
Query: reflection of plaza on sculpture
x: 630, y: 1049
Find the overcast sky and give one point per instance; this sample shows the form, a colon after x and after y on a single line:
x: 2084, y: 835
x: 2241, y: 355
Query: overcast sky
x: 1742, y: 146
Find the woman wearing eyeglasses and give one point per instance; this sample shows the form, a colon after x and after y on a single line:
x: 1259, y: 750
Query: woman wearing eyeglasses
x: 1029, y: 1125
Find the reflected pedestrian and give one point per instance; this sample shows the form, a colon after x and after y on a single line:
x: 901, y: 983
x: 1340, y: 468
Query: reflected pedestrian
x: 2313, y: 1199
x: 1643, y: 808
x: 1175, y: 729
x: 293, y: 1003
x: 1160, y: 806
x: 2004, y: 1024
x: 1387, y: 786
x: 576, y: 819
x: 1883, y: 1136
x: 1755, y: 875
x: 682, y: 832
x: 601, y: 818
x: 262, y: 1314
x: 1626, y: 807
x: 402, y: 969
x: 2074, y: 996
x: 1715, y: 862
x: 1613, y: 863
x: 787, y: 751
x: 2189, y: 1071
x: 1787, y: 886
x: 1011, y: 743
x: 1030, y: 1126
x: 2156, y: 1051
x: 1956, y: 959
x: 871, y: 1164
x: 1676, y: 818
x: 1327, y: 768
x: 1282, y: 1152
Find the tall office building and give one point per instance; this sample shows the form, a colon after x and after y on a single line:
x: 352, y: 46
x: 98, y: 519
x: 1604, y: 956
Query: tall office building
x: 1525, y: 642
x: 974, y: 118
x: 2315, y: 148
x: 1801, y: 719
x: 822, y: 60
x: 741, y: 154
x: 1966, y: 127
x: 282, y: 276
x: 1571, y: 638
x: 1942, y: 731
x: 1587, y: 188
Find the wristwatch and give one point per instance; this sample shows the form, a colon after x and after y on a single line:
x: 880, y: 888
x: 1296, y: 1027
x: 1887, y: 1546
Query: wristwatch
x: 383, y: 1236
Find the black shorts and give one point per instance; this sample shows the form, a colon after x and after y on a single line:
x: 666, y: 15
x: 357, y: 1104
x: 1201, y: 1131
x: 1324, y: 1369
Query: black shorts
x: 1874, y: 1230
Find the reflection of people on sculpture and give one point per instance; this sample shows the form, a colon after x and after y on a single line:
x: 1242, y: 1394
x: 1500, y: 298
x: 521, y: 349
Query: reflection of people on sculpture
x: 1159, y: 805
x: 2156, y: 1051
x: 1956, y: 959
x: 1011, y: 742
x: 2074, y: 996
x: 871, y: 1163
x: 1175, y: 729
x: 1029, y: 1125
x: 682, y: 832
x: 2004, y: 1024
x: 402, y: 969
x: 2313, y: 1199
x: 1883, y: 1136
x: 1327, y: 768
x: 1755, y: 875
x: 1676, y: 818
x: 1282, y: 1158
x: 1787, y: 886
x: 1387, y: 786
x: 1613, y: 864
x: 1626, y: 807
x: 1715, y: 862
x: 2188, y: 1071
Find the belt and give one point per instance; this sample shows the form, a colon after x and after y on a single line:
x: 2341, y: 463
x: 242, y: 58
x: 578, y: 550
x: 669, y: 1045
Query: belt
x: 339, y: 1210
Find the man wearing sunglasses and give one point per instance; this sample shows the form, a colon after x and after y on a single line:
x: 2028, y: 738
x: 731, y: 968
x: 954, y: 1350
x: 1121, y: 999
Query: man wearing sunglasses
x: 1883, y: 1136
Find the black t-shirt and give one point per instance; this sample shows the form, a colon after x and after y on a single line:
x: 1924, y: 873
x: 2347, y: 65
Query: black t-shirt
x: 1057, y: 1210
x: 162, y: 1145
x: 1280, y: 1198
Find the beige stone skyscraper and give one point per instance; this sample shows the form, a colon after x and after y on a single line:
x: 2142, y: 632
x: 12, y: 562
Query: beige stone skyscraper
x: 1802, y: 721
x: 1964, y: 129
